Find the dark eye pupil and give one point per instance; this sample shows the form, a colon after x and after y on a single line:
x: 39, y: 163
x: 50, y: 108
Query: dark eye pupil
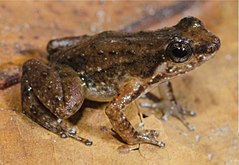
x: 179, y: 52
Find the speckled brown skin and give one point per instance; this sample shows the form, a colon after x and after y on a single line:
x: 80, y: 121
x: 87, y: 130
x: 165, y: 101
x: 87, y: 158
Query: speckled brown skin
x: 112, y: 67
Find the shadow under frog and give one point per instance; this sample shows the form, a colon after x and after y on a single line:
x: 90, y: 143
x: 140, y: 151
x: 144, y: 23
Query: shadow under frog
x: 117, y: 68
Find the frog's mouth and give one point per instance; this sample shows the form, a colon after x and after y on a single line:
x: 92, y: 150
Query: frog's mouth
x: 204, y: 57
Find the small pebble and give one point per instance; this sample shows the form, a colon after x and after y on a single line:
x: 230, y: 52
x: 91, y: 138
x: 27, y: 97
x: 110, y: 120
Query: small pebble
x: 141, y: 124
x: 197, y: 138
x: 183, y: 134
x: 210, y: 156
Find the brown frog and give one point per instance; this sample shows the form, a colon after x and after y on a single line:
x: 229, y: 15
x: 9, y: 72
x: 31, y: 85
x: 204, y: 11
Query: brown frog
x: 117, y: 68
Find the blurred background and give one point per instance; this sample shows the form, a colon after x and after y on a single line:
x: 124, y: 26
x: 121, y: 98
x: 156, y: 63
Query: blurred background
x: 210, y: 91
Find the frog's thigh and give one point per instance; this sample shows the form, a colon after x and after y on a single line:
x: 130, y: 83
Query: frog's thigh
x: 61, y: 43
x: 58, y: 88
x: 32, y: 107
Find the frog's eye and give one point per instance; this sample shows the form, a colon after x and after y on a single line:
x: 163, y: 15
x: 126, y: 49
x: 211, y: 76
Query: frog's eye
x: 179, y: 51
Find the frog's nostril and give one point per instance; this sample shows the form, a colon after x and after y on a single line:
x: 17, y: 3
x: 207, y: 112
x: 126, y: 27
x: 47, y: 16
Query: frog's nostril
x: 212, y: 48
x: 216, y: 39
x: 217, y: 42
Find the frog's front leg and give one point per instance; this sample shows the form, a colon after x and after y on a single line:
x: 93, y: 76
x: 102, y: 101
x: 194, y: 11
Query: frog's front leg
x: 50, y: 95
x: 128, y: 93
x: 169, y: 105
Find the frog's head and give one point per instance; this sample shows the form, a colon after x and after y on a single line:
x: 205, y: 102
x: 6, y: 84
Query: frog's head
x: 190, y: 46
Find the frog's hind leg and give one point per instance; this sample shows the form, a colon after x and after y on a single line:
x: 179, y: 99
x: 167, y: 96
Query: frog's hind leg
x: 169, y: 105
x: 38, y: 113
x: 35, y: 106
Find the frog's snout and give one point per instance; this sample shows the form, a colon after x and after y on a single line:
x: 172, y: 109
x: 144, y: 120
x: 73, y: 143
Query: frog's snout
x: 208, y: 47
x: 214, y: 46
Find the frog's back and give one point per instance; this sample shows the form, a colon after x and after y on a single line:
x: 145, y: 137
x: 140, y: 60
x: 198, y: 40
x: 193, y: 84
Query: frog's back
x: 109, y: 54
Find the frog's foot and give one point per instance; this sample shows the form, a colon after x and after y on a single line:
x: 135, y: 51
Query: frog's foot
x: 174, y: 109
x: 169, y: 105
x: 149, y: 136
x: 171, y: 108
x: 69, y: 131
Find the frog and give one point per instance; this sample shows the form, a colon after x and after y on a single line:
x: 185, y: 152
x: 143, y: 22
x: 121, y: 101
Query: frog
x: 115, y: 68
